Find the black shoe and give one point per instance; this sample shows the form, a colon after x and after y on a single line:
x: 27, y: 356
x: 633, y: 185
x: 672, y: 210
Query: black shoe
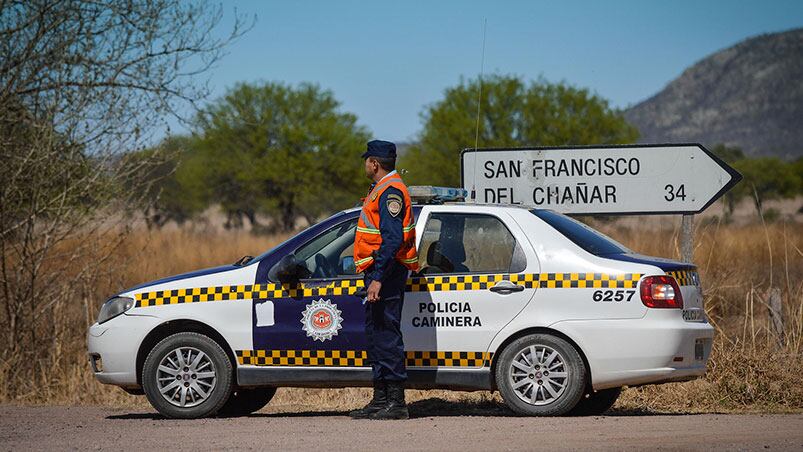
x: 395, y: 407
x: 379, y: 401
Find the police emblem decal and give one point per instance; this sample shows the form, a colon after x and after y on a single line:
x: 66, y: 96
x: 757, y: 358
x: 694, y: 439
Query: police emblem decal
x: 394, y: 205
x: 321, y: 320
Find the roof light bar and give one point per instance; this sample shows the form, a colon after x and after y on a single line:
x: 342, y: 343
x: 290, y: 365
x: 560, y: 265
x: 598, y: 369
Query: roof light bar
x: 430, y: 194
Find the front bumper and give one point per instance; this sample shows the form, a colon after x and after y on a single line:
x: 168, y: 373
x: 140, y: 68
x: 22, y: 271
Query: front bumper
x: 113, y: 346
x: 658, y: 348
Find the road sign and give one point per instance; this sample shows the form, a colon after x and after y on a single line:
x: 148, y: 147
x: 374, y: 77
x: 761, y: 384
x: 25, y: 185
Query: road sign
x: 619, y: 179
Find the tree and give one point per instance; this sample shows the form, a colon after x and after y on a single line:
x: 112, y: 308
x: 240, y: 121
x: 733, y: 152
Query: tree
x: 730, y: 155
x: 797, y: 168
x: 283, y: 150
x: 82, y: 82
x: 512, y: 113
x: 766, y: 178
x: 169, y: 184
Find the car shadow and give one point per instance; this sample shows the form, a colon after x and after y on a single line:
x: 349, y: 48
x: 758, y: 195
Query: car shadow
x: 426, y: 408
x: 135, y: 416
x: 437, y: 407
x: 323, y: 413
x: 157, y: 416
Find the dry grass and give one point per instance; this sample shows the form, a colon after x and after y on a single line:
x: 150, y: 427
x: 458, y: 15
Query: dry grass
x: 738, y: 264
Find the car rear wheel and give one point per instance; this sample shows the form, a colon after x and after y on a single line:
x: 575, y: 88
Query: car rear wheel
x: 187, y: 375
x: 540, y: 375
x: 243, y: 402
x: 595, y: 403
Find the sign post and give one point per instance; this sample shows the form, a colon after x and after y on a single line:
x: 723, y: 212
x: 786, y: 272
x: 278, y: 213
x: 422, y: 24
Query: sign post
x: 602, y: 180
x: 687, y: 238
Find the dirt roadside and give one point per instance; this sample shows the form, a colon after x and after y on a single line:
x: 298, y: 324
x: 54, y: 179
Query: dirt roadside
x: 97, y: 428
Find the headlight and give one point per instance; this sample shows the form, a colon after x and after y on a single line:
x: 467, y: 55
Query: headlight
x: 114, y: 307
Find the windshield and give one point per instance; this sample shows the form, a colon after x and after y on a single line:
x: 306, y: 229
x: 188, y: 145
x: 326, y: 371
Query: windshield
x: 583, y: 236
x: 310, y: 231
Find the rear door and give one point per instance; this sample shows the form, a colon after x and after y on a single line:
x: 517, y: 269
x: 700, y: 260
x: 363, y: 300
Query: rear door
x: 477, y: 273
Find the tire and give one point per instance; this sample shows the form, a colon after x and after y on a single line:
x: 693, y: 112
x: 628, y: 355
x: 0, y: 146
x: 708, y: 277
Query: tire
x: 596, y: 403
x: 243, y: 402
x: 519, y: 383
x: 199, y: 365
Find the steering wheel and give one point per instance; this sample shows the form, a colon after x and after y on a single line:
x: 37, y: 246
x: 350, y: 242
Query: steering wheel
x: 322, y: 267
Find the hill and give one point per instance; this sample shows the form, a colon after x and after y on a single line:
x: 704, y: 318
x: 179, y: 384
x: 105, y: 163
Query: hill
x: 749, y: 95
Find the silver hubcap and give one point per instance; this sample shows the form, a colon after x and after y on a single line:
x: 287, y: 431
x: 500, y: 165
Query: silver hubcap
x: 538, y: 375
x: 186, y: 377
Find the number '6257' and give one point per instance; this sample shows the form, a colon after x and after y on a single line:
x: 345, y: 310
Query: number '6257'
x: 612, y: 295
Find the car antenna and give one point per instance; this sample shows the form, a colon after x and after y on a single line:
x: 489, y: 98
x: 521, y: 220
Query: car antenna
x: 479, y: 103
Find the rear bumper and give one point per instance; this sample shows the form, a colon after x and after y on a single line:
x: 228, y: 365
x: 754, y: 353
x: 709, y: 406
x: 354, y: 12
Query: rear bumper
x: 112, y: 348
x: 658, y: 348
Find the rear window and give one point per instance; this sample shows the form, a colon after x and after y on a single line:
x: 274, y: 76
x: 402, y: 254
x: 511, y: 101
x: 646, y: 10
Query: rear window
x: 583, y: 236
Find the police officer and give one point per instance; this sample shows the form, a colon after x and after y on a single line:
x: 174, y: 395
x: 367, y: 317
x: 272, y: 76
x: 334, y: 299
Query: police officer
x: 384, y: 250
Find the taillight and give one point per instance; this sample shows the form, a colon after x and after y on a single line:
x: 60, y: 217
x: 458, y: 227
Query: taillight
x: 661, y: 292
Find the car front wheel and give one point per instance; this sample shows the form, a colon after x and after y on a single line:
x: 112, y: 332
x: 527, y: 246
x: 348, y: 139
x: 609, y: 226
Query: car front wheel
x: 187, y: 375
x: 540, y: 375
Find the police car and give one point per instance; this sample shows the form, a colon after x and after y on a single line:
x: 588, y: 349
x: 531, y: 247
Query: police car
x: 551, y: 313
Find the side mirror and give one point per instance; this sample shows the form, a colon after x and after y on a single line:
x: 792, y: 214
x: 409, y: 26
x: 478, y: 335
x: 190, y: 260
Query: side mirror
x: 289, y: 270
x: 347, y: 266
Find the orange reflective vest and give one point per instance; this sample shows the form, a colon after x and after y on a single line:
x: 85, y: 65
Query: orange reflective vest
x: 368, y: 238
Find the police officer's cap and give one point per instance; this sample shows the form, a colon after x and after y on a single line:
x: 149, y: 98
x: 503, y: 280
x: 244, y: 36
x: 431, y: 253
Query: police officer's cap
x: 380, y: 149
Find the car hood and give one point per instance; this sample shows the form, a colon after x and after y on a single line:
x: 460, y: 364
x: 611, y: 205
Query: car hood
x: 193, y: 274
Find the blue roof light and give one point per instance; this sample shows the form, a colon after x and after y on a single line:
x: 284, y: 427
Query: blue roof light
x: 430, y: 194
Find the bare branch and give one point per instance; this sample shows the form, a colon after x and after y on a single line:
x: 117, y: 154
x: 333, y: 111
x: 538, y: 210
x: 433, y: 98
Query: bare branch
x: 82, y: 84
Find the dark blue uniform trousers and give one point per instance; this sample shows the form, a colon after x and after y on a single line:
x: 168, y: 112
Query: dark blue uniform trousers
x: 383, y: 327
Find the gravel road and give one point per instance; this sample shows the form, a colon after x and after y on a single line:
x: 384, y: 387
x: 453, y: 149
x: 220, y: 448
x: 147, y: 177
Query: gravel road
x: 97, y: 428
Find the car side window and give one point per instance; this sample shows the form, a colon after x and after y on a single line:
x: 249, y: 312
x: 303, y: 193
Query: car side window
x: 329, y: 255
x: 454, y: 243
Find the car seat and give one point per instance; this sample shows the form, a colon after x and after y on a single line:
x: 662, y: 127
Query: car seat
x: 445, y: 259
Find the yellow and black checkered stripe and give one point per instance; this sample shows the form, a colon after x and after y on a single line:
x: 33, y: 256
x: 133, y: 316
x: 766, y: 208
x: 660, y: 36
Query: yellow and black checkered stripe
x: 528, y: 280
x: 246, y: 292
x: 685, y: 277
x: 358, y: 358
x: 337, y: 358
x: 416, y: 284
x: 448, y: 359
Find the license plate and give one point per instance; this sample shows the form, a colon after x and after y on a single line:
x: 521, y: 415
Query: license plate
x: 699, y: 349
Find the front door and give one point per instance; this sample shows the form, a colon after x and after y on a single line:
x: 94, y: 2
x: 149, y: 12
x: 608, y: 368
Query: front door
x: 321, y: 323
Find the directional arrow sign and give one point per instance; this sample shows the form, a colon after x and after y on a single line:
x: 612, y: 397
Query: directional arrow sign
x: 621, y: 179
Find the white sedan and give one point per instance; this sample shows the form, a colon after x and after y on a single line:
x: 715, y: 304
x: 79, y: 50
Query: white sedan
x: 551, y: 313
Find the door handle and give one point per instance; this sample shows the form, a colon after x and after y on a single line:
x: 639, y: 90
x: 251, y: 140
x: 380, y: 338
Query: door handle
x: 506, y: 287
x: 362, y: 293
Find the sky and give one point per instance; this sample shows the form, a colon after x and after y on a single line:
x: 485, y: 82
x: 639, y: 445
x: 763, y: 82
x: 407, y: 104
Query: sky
x: 385, y: 61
